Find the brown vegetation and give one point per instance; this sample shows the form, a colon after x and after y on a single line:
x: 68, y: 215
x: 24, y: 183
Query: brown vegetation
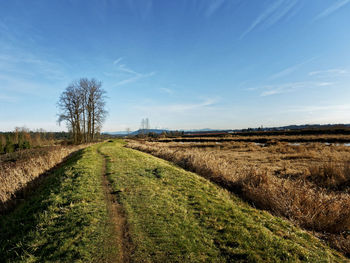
x: 326, y: 138
x: 18, y: 169
x: 307, y: 183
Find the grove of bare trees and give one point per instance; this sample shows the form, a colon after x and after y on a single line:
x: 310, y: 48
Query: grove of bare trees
x: 82, y: 108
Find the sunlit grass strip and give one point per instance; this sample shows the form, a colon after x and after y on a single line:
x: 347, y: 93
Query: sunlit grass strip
x: 65, y: 221
x: 178, y: 216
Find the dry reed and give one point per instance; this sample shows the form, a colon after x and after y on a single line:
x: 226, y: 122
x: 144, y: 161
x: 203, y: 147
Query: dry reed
x: 17, y: 170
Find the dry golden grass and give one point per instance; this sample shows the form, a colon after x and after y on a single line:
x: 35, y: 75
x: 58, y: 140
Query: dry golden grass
x: 306, y: 183
x: 330, y: 138
x: 19, y: 169
x: 331, y: 175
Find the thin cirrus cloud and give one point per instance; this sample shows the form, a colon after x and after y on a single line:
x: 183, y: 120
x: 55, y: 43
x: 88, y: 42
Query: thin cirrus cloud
x: 291, y: 87
x: 213, y: 7
x: 271, y: 15
x: 289, y: 70
x: 333, y: 8
x: 134, y: 78
x: 179, y: 107
x: 329, y: 72
x: 131, y: 75
x: 166, y: 90
x: 23, y: 63
x: 26, y: 73
x: 342, y: 107
x: 22, y: 86
x: 115, y: 62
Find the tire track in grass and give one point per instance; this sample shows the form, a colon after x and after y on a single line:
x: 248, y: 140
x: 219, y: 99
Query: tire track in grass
x: 120, y: 239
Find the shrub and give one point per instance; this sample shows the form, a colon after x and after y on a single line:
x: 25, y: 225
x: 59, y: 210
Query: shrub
x: 9, y: 147
x: 25, y: 145
x: 1, y: 148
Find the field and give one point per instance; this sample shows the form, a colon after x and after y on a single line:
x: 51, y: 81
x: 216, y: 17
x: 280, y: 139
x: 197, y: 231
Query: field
x: 308, y: 183
x: 108, y: 203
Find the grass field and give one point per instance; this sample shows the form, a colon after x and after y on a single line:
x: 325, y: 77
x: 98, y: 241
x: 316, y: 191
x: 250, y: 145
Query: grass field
x: 171, y: 215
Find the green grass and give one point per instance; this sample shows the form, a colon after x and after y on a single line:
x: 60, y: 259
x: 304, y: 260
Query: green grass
x: 178, y: 216
x: 64, y: 221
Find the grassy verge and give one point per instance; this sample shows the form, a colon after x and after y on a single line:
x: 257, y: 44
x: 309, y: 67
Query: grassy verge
x: 177, y: 216
x: 64, y: 221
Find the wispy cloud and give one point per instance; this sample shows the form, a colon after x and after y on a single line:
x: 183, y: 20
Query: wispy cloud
x: 333, y: 8
x: 24, y: 73
x: 178, y: 107
x: 213, y: 6
x: 271, y: 15
x: 23, y: 86
x: 321, y: 113
x: 291, y: 87
x: 166, y: 90
x: 341, y: 107
x: 329, y: 72
x: 129, y: 74
x: 115, y: 62
x: 125, y: 69
x: 134, y: 78
x: 24, y: 63
x: 289, y: 70
x: 274, y: 90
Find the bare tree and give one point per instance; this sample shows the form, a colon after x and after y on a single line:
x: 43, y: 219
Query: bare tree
x: 70, y: 110
x: 82, y: 107
x: 84, y: 91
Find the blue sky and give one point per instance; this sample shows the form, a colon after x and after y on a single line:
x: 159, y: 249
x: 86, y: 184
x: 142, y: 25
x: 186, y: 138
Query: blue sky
x: 183, y: 64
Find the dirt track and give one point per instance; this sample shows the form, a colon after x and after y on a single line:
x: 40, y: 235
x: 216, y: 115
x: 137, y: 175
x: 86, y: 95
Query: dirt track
x: 117, y: 220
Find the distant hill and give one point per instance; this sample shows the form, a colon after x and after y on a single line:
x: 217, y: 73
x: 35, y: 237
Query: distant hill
x: 143, y: 131
x: 140, y: 131
x: 208, y: 130
x: 117, y: 133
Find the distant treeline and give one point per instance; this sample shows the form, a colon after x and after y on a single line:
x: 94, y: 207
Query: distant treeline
x: 332, y: 130
x: 22, y: 138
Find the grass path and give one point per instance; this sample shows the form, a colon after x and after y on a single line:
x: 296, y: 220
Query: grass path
x: 119, y: 238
